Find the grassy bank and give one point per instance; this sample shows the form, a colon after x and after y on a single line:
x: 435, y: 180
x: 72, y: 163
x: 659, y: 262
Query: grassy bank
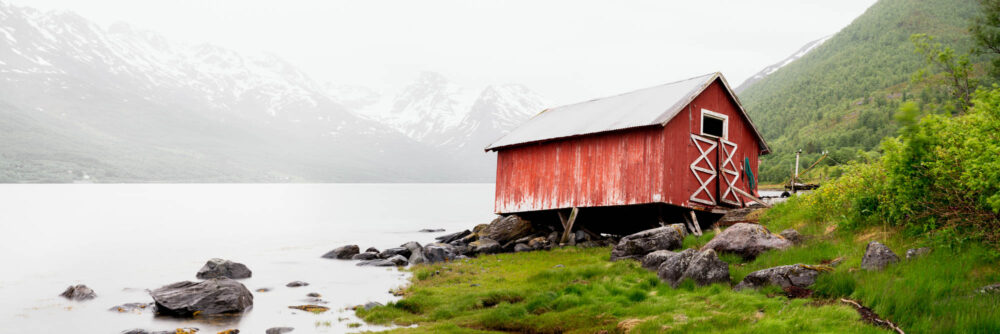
x: 579, y: 290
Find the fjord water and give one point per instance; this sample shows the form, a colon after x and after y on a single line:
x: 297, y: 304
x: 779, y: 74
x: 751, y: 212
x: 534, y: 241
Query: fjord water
x: 121, y: 240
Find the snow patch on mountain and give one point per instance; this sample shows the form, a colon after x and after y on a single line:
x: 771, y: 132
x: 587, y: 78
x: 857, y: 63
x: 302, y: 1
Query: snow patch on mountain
x: 805, y: 49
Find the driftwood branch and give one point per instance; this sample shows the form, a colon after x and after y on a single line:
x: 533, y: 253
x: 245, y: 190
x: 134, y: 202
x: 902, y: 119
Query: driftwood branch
x: 868, y: 315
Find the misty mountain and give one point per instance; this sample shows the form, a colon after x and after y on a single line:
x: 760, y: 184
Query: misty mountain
x: 78, y: 101
x: 454, y: 119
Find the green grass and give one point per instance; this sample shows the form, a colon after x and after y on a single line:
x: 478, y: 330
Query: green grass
x: 527, y: 292
x: 530, y: 292
x: 931, y: 294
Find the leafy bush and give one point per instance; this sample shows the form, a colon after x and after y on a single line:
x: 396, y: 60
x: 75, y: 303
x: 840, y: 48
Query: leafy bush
x: 940, y: 177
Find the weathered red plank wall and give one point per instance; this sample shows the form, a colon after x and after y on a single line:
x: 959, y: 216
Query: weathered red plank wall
x: 636, y: 166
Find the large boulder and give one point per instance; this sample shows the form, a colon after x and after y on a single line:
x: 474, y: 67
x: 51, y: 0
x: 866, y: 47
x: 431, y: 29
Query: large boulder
x: 877, y: 256
x: 366, y: 256
x: 78, y: 292
x: 706, y: 268
x: 747, y: 240
x: 395, y: 261
x: 653, y: 260
x: 637, y: 245
x: 448, y: 238
x: 671, y: 269
x: 343, y: 252
x: 216, y: 268
x: 507, y: 229
x: 279, y: 330
x: 795, y: 275
x: 416, y: 252
x: 438, y: 252
x: 214, y: 296
x: 390, y: 252
x: 485, y: 246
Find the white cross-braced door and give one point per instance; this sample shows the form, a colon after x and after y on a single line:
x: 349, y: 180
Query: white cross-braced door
x: 704, y: 169
x: 730, y: 173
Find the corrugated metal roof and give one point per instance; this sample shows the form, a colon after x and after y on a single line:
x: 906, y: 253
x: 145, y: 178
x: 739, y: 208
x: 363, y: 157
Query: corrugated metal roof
x: 644, y: 107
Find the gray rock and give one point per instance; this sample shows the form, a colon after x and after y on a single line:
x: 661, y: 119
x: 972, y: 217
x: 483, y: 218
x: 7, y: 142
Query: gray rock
x: 877, y: 256
x: 372, y: 250
x: 507, y: 229
x: 448, y: 238
x: 395, y: 261
x: 417, y: 257
x: 438, y: 252
x: 296, y: 284
x: 132, y: 307
x: 792, y: 235
x: 390, y: 252
x: 485, y: 246
x: 412, y: 246
x: 371, y: 305
x: 553, y: 238
x: 580, y: 236
x: 797, y: 275
x: 314, y: 295
x: 78, y: 292
x: 917, y: 252
x: 653, y: 260
x: 522, y: 248
x: 538, y: 243
x: 706, y: 268
x: 747, y: 240
x: 343, y: 252
x: 637, y: 245
x: 671, y: 269
x: 365, y: 256
x: 214, y: 296
x: 216, y: 268
x: 989, y: 289
x: 431, y: 230
x: 279, y: 330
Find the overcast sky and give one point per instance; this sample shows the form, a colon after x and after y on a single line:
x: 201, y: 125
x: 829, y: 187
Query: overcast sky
x: 565, y: 50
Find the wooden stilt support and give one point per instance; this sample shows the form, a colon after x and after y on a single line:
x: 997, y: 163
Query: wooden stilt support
x: 568, y: 225
x: 752, y: 197
x: 697, y: 227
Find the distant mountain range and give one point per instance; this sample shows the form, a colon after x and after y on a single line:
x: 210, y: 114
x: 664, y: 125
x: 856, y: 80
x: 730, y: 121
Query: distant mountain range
x: 82, y: 103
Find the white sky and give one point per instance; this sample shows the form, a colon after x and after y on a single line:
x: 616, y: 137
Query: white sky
x: 565, y: 50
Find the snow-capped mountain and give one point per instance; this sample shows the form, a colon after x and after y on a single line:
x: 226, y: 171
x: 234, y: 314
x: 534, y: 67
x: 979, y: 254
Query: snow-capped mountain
x: 124, y: 104
x: 784, y: 62
x: 444, y: 114
x: 497, y: 111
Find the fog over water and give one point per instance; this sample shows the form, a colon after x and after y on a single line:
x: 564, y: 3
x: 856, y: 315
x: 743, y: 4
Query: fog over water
x: 123, y: 239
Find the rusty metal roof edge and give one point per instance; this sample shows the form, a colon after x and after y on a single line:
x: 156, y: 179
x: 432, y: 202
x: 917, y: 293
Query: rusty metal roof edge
x: 674, y: 108
x: 488, y: 148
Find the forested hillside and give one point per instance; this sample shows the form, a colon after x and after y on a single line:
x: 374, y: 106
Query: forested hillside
x: 841, y: 97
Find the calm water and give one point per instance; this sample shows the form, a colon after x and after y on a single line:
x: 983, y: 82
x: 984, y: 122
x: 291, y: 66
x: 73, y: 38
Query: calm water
x: 123, y: 239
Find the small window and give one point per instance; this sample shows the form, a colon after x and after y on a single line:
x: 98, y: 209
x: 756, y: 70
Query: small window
x: 714, y: 124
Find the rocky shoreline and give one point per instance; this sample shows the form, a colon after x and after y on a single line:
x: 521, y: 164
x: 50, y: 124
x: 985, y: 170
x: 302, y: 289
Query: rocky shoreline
x: 220, y: 293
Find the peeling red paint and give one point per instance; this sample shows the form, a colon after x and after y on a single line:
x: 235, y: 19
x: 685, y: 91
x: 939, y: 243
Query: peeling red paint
x: 634, y: 166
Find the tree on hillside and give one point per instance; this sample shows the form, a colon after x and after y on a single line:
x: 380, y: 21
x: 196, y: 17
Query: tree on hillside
x: 985, y: 31
x: 957, y: 70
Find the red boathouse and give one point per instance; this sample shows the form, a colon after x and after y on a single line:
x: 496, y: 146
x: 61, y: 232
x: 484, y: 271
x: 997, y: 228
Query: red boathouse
x: 632, y: 161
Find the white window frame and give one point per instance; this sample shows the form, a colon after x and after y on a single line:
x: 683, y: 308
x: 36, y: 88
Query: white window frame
x: 718, y: 116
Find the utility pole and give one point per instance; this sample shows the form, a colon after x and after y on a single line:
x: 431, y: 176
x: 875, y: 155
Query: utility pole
x: 796, y: 177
